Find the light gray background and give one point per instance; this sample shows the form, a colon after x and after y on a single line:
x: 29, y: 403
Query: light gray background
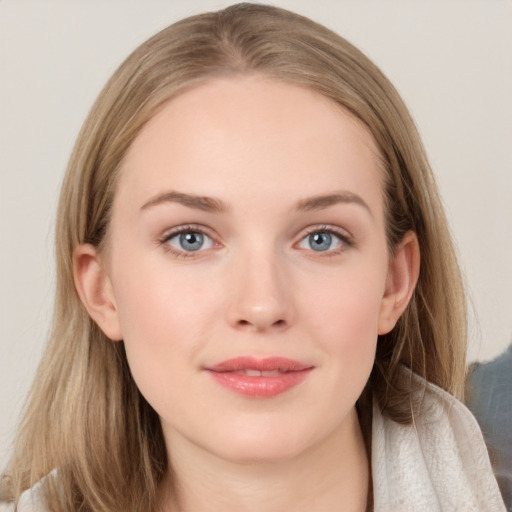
x: 450, y: 59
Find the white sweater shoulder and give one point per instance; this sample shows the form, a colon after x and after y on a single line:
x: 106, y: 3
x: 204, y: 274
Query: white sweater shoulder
x: 438, y: 464
x: 32, y: 500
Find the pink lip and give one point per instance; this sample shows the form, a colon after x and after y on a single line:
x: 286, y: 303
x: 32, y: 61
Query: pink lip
x: 289, y: 374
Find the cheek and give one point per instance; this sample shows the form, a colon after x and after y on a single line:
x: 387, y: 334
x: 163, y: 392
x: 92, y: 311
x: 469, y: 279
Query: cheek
x: 343, y: 316
x: 164, y: 318
x: 346, y: 304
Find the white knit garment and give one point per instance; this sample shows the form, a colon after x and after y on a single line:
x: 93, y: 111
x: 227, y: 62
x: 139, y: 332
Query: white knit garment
x: 438, y: 464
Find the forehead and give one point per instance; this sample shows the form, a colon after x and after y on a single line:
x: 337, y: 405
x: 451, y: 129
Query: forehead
x: 254, y: 134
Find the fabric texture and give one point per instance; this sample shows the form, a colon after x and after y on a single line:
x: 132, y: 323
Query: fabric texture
x: 438, y: 464
x: 31, y: 500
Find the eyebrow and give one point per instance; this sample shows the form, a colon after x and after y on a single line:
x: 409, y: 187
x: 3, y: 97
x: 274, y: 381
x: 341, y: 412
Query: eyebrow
x: 324, y: 201
x: 214, y: 205
x: 204, y: 203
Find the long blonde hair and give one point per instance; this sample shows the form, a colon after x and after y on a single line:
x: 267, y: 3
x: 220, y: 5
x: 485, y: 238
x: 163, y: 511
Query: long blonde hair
x: 85, y: 415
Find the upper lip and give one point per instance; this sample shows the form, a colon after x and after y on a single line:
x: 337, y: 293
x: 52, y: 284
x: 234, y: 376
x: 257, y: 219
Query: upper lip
x: 282, y: 364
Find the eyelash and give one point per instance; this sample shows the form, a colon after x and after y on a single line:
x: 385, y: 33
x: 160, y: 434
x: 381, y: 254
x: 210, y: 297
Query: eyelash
x: 342, y: 235
x: 189, y: 228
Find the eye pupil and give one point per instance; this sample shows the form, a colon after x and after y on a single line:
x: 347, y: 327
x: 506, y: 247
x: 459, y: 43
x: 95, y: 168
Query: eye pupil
x: 191, y: 241
x: 320, y: 241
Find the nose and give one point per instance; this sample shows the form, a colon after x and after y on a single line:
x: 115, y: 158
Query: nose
x: 260, y: 299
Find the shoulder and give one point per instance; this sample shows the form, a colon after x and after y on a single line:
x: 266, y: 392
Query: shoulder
x: 32, y: 500
x: 437, y: 463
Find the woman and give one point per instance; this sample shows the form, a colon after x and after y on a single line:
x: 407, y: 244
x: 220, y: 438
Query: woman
x: 242, y: 320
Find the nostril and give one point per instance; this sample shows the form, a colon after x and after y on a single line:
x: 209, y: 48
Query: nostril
x: 261, y: 325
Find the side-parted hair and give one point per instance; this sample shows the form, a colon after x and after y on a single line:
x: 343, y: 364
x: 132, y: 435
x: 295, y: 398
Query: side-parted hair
x: 85, y: 415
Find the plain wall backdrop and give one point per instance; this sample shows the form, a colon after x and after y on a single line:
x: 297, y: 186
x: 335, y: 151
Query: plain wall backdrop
x: 450, y: 60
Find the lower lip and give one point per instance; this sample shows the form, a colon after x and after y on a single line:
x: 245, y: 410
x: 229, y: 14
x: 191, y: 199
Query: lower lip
x: 260, y: 386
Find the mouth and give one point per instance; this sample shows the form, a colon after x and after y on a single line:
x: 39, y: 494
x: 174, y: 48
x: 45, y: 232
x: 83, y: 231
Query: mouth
x: 259, y: 378
x: 258, y: 373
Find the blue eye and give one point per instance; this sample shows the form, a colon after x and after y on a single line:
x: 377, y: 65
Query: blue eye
x: 190, y: 241
x: 322, y: 241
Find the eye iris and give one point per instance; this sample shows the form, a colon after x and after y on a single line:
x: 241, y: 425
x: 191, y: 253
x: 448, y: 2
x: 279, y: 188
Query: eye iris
x: 191, y: 241
x: 320, y: 241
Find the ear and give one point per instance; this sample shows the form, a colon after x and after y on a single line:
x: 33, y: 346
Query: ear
x: 403, y: 274
x: 95, y: 290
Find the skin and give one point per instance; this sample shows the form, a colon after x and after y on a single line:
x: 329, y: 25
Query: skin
x: 267, y: 150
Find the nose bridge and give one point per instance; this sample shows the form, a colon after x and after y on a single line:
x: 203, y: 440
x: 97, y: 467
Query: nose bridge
x: 261, y: 298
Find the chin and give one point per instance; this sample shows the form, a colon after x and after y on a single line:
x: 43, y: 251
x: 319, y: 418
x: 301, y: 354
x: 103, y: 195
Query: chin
x: 260, y: 446
x: 259, y: 454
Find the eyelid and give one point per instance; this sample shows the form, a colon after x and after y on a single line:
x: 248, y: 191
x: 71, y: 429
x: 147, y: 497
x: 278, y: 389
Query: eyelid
x: 186, y: 228
x: 341, y: 233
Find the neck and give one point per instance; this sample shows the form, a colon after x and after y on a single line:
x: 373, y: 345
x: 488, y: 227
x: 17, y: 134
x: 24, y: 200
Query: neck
x: 329, y: 477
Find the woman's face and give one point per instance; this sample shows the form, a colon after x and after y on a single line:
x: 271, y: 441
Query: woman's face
x: 247, y: 236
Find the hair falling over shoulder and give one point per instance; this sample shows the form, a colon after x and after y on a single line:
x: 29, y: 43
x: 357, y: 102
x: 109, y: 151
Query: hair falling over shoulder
x: 85, y: 417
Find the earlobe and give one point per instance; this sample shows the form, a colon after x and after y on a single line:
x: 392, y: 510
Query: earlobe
x: 95, y: 290
x: 402, y: 277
